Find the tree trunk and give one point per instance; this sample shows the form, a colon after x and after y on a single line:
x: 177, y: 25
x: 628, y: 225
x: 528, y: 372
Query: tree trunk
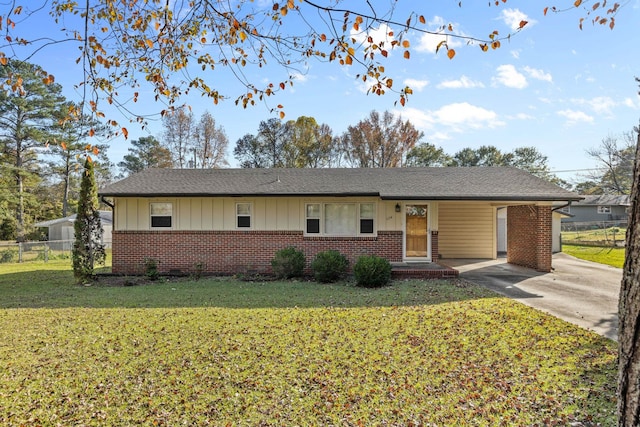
x: 629, y: 314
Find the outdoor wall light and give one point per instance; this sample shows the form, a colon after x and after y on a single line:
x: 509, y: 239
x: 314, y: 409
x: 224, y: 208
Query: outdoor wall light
x: 398, y: 207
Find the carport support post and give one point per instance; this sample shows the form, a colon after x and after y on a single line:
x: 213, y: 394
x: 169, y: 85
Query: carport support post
x: 529, y: 239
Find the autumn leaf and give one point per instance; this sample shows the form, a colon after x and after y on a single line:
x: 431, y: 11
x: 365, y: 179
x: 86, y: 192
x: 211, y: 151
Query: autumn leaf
x: 422, y: 20
x: 282, y: 115
x: 407, y: 55
x: 451, y: 53
x: 92, y: 132
x: 577, y: 3
x: 125, y: 132
x: 522, y: 24
x: 405, y: 44
x: 63, y: 145
x: 95, y: 150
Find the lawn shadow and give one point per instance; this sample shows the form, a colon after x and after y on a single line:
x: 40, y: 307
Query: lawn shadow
x: 57, y: 289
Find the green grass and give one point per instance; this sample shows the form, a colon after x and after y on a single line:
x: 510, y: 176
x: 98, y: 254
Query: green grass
x: 597, y: 235
x: 224, y: 352
x: 609, y: 256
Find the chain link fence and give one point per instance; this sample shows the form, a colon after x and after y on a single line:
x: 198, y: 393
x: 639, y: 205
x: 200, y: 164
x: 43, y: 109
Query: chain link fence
x: 35, y: 251
x: 594, y: 233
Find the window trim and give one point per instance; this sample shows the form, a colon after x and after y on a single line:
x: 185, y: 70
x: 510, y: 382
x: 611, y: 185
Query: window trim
x: 151, y: 216
x: 250, y: 216
x: 358, y: 219
x: 604, y: 209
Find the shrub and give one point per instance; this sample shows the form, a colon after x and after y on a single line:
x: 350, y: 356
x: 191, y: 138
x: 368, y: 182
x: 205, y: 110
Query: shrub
x: 288, y: 262
x: 151, y: 268
x: 329, y: 266
x: 8, y: 256
x: 372, y: 271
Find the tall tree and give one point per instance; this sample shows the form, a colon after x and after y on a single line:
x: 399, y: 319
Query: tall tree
x: 615, y: 163
x: 265, y: 149
x: 145, y: 152
x: 629, y: 311
x: 210, y: 143
x: 69, y: 143
x: 379, y: 141
x: 179, y: 133
x: 486, y: 155
x: 307, y: 144
x: 88, y: 249
x: 427, y: 154
x: 26, y: 120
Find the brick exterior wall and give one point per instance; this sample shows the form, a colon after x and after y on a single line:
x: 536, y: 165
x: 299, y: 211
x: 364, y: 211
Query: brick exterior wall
x: 435, y: 253
x: 529, y: 237
x: 231, y: 252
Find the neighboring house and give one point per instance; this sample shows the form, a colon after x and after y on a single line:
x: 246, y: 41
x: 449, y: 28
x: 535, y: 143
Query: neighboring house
x: 234, y: 220
x: 598, y: 208
x: 62, y: 229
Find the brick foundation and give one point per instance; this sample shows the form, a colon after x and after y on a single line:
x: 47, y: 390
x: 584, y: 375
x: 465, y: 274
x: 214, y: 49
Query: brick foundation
x: 231, y: 252
x: 529, y: 238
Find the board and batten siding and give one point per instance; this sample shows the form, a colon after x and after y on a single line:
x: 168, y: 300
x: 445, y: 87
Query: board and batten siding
x: 219, y: 213
x: 467, y: 230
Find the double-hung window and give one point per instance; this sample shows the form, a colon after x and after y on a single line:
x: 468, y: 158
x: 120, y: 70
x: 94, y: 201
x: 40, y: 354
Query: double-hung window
x: 243, y: 215
x: 161, y: 215
x: 604, y: 209
x: 340, y: 219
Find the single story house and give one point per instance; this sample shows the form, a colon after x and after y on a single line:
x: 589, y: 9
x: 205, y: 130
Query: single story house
x: 598, y: 208
x: 233, y: 220
x: 61, y: 229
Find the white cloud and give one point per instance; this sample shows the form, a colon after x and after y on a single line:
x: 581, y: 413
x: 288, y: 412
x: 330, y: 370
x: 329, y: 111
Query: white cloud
x: 439, y: 136
x: 508, y: 76
x: 416, y: 84
x: 419, y: 118
x: 538, y: 74
x: 574, y: 117
x: 429, y: 42
x: 456, y: 117
x: 463, y: 82
x: 523, y: 116
x: 599, y: 104
x: 513, y: 17
x: 464, y: 115
x: 299, y: 77
x: 380, y: 36
x: 631, y: 103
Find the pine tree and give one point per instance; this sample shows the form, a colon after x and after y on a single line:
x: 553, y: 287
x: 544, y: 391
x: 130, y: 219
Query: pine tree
x: 88, y: 249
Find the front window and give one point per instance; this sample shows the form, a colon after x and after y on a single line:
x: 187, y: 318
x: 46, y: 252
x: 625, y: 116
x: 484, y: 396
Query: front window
x: 604, y: 209
x: 243, y: 215
x: 161, y: 214
x: 340, y: 219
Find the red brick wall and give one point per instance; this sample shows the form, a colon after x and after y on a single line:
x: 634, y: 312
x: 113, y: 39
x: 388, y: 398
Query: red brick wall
x: 230, y: 252
x: 435, y: 253
x: 529, y: 240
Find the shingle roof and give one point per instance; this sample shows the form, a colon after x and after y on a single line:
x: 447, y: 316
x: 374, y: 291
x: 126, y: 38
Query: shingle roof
x: 106, y: 218
x: 604, y: 200
x: 452, y: 183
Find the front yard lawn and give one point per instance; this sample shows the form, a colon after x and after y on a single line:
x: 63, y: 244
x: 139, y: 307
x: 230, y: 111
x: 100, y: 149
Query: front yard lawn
x: 290, y: 353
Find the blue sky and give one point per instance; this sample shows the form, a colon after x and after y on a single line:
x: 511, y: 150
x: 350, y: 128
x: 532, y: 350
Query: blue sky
x: 553, y: 86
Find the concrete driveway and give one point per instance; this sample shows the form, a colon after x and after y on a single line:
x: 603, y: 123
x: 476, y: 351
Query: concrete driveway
x: 581, y: 292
